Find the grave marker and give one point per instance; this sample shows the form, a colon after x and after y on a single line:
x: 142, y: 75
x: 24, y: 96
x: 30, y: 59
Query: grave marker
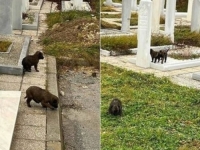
x: 126, y: 15
x: 195, y: 21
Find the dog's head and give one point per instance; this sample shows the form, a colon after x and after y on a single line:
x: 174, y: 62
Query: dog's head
x: 39, y: 54
x: 54, y: 101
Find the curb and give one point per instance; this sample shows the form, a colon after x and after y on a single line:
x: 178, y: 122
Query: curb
x: 54, y: 140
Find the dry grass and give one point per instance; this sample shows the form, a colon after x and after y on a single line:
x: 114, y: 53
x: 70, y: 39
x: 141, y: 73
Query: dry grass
x: 4, y: 45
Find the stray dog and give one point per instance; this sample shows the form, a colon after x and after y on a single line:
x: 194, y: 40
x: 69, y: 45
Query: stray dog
x: 157, y: 55
x: 40, y: 95
x: 32, y: 60
x: 115, y: 107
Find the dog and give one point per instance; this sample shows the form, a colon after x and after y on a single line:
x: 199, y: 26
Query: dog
x: 157, y: 55
x: 40, y: 95
x: 32, y: 60
x: 115, y: 107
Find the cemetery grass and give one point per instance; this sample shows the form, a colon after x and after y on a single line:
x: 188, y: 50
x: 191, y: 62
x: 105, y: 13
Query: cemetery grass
x: 157, y: 114
x: 4, y: 45
x: 72, y: 38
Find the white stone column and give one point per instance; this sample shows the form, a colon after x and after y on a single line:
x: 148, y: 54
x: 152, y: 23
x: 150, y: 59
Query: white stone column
x: 195, y: 21
x: 156, y: 8
x: 5, y: 16
x: 17, y: 14
x: 134, y: 5
x: 144, y: 34
x: 25, y: 5
x: 126, y: 15
x: 108, y: 2
x: 78, y: 4
x: 170, y: 18
x: 189, y: 10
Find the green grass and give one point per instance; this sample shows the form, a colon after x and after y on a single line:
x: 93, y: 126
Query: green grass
x: 4, y: 45
x: 157, y: 114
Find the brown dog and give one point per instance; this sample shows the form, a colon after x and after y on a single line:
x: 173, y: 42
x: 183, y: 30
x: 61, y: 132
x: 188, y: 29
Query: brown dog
x: 32, y: 60
x: 115, y: 107
x: 40, y: 95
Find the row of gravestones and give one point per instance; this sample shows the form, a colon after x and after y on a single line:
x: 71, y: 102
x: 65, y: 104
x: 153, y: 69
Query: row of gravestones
x: 11, y: 14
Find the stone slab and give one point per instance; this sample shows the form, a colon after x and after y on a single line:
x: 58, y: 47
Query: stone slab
x: 196, y: 76
x: 38, y: 6
x: 54, y: 146
x: 11, y: 86
x: 34, y: 25
x: 68, y: 5
x: 8, y: 114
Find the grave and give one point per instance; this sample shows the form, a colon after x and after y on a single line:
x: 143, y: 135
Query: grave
x: 68, y: 5
x: 33, y: 25
x: 10, y: 62
x: 8, y: 114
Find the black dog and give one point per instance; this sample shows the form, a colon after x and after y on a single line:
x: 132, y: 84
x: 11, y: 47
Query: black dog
x: 115, y: 107
x: 157, y: 55
x: 40, y: 95
x: 32, y: 60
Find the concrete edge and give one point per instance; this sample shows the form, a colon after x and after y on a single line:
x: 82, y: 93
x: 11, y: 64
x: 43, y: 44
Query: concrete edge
x: 12, y: 70
x: 196, y: 76
x: 34, y: 25
x: 38, y: 6
x: 54, y: 138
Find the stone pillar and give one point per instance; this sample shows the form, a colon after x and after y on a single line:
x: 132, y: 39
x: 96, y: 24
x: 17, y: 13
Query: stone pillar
x: 195, y: 21
x: 126, y: 15
x: 156, y: 8
x: 134, y: 5
x: 17, y: 14
x: 78, y: 4
x: 144, y: 34
x: 5, y: 16
x: 25, y: 5
x: 108, y: 2
x: 170, y: 18
x: 189, y: 10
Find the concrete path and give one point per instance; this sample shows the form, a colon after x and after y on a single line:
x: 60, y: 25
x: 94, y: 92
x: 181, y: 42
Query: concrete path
x: 36, y: 128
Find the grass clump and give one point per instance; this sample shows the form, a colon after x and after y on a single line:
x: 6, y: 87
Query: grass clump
x: 157, y: 114
x: 4, y: 45
x: 120, y: 44
x: 159, y: 40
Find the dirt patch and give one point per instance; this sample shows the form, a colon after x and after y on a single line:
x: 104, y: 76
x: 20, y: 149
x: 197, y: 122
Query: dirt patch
x: 80, y: 103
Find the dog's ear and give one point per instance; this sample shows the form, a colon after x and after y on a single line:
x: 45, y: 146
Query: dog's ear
x: 40, y: 55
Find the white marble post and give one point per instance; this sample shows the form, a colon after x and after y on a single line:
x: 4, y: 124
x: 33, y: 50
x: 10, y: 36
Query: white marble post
x: 189, y: 10
x: 126, y: 15
x: 17, y: 14
x: 170, y: 18
x: 25, y: 5
x: 5, y: 16
x: 144, y: 34
x: 108, y: 2
x: 78, y: 4
x: 195, y: 21
x: 134, y: 5
x: 156, y: 8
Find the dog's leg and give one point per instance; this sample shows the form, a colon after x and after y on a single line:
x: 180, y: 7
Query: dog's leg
x: 28, y: 102
x: 46, y: 105
x: 36, y: 68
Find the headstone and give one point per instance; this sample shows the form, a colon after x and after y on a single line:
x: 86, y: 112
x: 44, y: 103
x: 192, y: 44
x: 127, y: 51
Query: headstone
x: 156, y: 8
x: 189, y: 10
x: 5, y: 16
x: 78, y: 4
x: 144, y: 34
x: 17, y: 14
x: 134, y: 5
x: 25, y: 5
x: 126, y: 15
x: 108, y: 2
x: 195, y: 21
x: 170, y: 18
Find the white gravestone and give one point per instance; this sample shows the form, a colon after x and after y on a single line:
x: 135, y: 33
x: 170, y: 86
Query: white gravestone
x: 144, y: 34
x: 156, y: 8
x: 78, y: 4
x: 134, y: 5
x: 189, y: 10
x: 170, y: 18
x: 17, y: 14
x: 126, y: 15
x: 108, y: 2
x: 5, y: 16
x: 195, y: 21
